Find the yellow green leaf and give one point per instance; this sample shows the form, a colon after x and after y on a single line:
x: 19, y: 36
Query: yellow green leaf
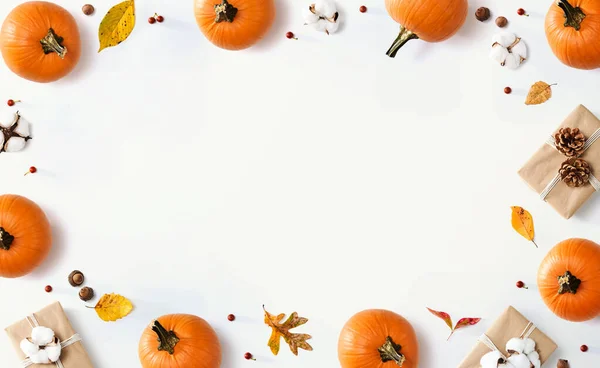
x: 117, y: 24
x: 294, y: 340
x: 522, y: 222
x: 112, y: 307
x: 539, y: 93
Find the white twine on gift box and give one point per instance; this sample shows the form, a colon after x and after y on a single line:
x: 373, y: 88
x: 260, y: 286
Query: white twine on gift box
x: 33, y: 322
x: 524, y: 335
x: 593, y: 181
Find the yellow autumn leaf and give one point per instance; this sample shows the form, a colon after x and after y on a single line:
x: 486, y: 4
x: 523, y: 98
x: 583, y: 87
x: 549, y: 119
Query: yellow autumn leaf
x: 539, y: 93
x: 522, y: 222
x: 117, y: 24
x: 112, y: 307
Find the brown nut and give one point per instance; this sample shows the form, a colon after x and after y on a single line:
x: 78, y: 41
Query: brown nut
x: 88, y: 9
x: 86, y: 293
x: 563, y: 364
x: 482, y: 14
x: 76, y: 278
x: 501, y: 22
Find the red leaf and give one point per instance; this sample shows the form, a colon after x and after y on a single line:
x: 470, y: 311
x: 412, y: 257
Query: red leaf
x: 464, y: 322
x: 443, y: 315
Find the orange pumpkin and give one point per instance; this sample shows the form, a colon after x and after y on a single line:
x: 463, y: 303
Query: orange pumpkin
x: 40, y: 41
x: 428, y: 20
x: 25, y: 236
x: 573, y: 31
x: 179, y: 340
x: 234, y: 25
x: 378, y: 338
x: 569, y: 280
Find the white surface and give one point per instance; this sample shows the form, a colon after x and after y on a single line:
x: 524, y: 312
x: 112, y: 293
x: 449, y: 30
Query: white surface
x: 316, y: 176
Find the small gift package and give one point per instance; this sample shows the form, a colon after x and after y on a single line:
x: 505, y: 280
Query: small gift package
x: 565, y: 169
x: 511, y: 342
x: 46, y: 339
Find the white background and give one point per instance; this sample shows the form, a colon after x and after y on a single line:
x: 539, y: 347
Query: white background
x: 317, y: 176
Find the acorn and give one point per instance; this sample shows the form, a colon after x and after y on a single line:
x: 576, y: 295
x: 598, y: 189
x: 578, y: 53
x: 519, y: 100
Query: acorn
x: 86, y: 293
x: 563, y: 364
x: 76, y: 278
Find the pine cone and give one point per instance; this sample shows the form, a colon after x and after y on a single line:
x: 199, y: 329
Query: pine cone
x: 569, y: 141
x: 575, y: 172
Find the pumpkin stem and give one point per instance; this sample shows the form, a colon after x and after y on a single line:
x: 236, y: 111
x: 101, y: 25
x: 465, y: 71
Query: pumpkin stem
x: 390, y: 351
x: 568, y: 283
x: 225, y: 12
x: 53, y: 43
x: 5, y: 239
x: 404, y: 36
x: 573, y: 16
x: 167, y: 339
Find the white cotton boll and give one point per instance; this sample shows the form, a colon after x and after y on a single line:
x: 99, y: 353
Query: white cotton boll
x: 520, y: 361
x: 520, y: 49
x: 40, y: 335
x: 41, y: 357
x: 22, y: 128
x: 325, y: 8
x: 515, y: 344
x: 506, y: 365
x: 53, y: 352
x: 15, y: 144
x: 490, y: 360
x: 321, y: 25
x: 504, y: 38
x: 512, y: 61
x: 7, y: 117
x: 528, y: 346
x: 28, y: 347
x: 499, y: 54
x: 309, y: 16
x: 332, y: 27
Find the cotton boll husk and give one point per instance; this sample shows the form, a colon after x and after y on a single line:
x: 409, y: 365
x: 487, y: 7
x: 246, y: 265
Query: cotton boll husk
x: 528, y: 346
x: 1, y: 140
x: 325, y: 8
x: 504, y: 38
x: 15, y: 144
x: 28, y: 347
x: 22, y: 128
x: 520, y: 361
x: 520, y: 49
x: 490, y: 360
x: 40, y: 335
x: 512, y: 61
x: 515, y: 344
x: 53, y: 352
x: 41, y: 357
x: 332, y: 27
x: 309, y: 17
x: 499, y: 54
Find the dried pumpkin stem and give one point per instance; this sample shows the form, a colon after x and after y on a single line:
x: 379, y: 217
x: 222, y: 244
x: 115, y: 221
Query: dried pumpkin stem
x: 6, y: 239
x: 390, y: 351
x: 167, y: 339
x: 568, y: 283
x: 225, y: 12
x: 573, y: 16
x: 404, y: 36
x: 53, y: 43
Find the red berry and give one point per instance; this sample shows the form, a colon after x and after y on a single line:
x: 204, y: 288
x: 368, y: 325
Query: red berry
x: 521, y: 11
x: 521, y: 285
x: 32, y: 170
x: 48, y: 288
x: 10, y: 102
x: 160, y: 19
x: 248, y: 356
x: 289, y: 35
x: 363, y: 9
x: 151, y: 20
x: 231, y: 317
x: 507, y: 90
x: 583, y: 348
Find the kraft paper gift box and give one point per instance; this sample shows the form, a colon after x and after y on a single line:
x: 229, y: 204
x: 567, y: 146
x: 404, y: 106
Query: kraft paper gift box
x: 53, y: 317
x: 541, y: 169
x: 510, y: 324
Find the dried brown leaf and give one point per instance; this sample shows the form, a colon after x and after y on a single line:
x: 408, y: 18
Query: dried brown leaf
x: 539, y: 93
x: 294, y: 340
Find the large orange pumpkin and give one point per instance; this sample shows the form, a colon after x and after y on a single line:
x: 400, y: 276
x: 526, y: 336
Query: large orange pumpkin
x: 234, y: 25
x: 428, y: 20
x: 569, y: 280
x: 179, y: 340
x: 573, y: 32
x: 378, y: 338
x: 40, y: 41
x: 25, y: 236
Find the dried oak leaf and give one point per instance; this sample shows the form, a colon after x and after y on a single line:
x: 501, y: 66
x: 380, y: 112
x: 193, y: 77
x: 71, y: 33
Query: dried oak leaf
x: 294, y: 340
x: 539, y: 93
x: 112, y: 307
x: 522, y: 222
x: 117, y: 24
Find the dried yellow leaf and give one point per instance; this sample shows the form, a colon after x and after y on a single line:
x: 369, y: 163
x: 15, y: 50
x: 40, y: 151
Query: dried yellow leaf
x: 539, y: 93
x: 522, y: 222
x: 117, y: 24
x: 112, y: 307
x: 294, y: 340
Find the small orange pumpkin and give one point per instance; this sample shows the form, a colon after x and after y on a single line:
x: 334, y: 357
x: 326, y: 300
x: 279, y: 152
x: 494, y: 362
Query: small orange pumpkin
x: 378, y: 338
x: 25, y: 236
x: 234, y: 25
x: 573, y: 31
x: 569, y: 280
x: 428, y: 20
x: 40, y: 41
x: 179, y: 340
